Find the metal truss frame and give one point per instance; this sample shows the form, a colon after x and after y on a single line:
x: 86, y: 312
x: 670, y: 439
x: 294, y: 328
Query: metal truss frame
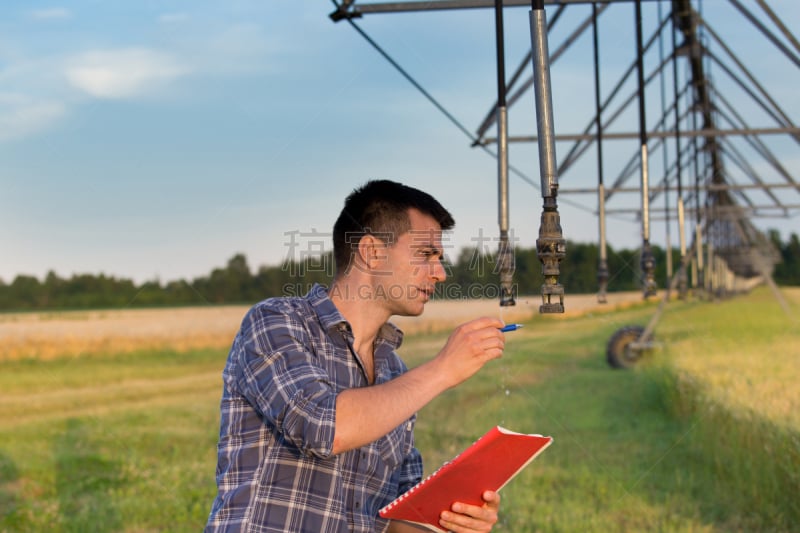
x: 707, y: 145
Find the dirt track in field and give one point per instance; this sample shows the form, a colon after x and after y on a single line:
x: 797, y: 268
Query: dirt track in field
x: 55, y: 334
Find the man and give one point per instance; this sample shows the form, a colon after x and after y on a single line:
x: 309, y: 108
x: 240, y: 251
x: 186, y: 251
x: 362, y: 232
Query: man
x: 318, y: 410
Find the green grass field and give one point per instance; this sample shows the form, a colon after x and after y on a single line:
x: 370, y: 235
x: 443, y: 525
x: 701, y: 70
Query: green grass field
x: 702, y: 436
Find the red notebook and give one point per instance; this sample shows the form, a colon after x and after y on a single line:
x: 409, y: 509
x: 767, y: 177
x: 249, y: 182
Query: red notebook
x: 488, y: 464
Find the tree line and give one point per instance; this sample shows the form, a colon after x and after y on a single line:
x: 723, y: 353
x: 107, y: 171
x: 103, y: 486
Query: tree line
x: 472, y: 274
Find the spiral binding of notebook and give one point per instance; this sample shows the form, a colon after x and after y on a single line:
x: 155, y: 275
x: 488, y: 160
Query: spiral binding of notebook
x: 488, y: 464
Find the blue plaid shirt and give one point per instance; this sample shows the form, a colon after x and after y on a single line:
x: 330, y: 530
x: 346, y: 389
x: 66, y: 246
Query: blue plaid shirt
x: 275, y: 470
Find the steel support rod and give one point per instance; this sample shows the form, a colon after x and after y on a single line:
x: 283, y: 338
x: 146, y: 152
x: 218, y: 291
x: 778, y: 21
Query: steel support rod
x: 578, y: 149
x: 438, y: 5
x: 721, y: 209
x: 779, y: 23
x: 557, y: 53
x: 774, y: 40
x: 709, y: 187
x: 650, y: 134
x: 491, y: 116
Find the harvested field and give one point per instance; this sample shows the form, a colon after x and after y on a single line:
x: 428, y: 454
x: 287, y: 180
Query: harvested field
x: 443, y: 314
x: 49, y: 335
x: 70, y: 333
x: 113, y: 442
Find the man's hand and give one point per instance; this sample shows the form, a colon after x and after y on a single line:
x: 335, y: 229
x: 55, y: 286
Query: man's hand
x: 470, y: 346
x: 463, y: 518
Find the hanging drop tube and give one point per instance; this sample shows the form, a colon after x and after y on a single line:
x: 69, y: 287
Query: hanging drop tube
x: 682, y: 279
x: 648, y: 260
x: 602, y: 263
x: 550, y: 246
x: 505, y: 252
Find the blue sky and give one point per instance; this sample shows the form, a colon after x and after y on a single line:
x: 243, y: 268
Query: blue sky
x: 157, y: 139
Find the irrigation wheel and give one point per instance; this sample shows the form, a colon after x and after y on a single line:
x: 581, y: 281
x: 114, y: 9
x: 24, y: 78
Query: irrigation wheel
x: 618, y: 351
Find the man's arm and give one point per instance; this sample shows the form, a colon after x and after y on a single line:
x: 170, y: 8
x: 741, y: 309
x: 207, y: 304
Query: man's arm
x: 366, y: 414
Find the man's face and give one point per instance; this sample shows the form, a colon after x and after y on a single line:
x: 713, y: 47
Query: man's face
x: 413, y: 266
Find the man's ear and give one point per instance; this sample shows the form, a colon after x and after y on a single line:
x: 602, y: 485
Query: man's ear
x: 370, y: 250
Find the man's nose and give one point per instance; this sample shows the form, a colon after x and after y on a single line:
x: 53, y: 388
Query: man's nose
x: 439, y: 273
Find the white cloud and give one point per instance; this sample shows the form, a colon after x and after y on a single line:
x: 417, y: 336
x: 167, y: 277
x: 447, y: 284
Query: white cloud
x: 39, y: 90
x: 122, y: 73
x: 51, y: 13
x: 22, y: 115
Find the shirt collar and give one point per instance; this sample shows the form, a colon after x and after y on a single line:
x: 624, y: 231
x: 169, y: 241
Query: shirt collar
x: 330, y: 317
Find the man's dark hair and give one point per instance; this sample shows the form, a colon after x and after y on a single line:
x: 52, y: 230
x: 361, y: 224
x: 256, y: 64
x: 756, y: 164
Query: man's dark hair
x: 380, y: 208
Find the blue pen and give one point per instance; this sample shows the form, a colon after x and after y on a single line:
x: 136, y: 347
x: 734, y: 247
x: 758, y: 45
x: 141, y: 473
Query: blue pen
x: 510, y: 327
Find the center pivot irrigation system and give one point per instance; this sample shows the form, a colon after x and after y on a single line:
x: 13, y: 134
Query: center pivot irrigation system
x: 717, y: 166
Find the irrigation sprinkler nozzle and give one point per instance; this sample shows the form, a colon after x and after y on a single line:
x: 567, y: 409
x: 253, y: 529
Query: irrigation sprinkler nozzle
x: 505, y: 265
x: 551, y: 249
x: 648, y: 264
x: 602, y: 281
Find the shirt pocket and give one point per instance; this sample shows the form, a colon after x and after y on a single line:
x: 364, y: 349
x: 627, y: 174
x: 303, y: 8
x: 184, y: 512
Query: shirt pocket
x: 395, y: 447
